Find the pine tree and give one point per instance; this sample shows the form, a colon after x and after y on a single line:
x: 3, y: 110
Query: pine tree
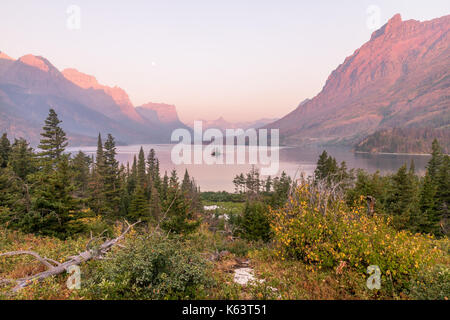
x: 139, y: 205
x: 155, y: 204
x: 111, y: 180
x: 54, y: 141
x: 430, y: 202
x: 180, y: 215
x: 5, y: 150
x: 443, y: 197
x: 401, y: 204
x: 22, y: 159
x: 55, y: 210
x: 81, y: 164
x: 435, y: 161
x: 321, y: 169
x: 164, y: 187
x: 268, y: 184
x: 141, y: 173
x: 173, y: 181
x: 132, y: 181
x: 186, y: 184
x: 255, y: 222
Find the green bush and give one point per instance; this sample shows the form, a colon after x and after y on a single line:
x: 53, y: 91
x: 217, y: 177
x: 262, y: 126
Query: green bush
x: 255, y: 223
x: 151, y: 268
x: 431, y: 284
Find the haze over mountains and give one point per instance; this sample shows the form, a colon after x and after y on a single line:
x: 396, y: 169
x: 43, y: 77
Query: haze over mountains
x: 223, y: 124
x: 31, y: 85
x: 400, y: 78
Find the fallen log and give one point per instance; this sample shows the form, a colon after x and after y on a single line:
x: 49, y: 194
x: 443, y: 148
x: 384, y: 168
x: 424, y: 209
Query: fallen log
x: 58, y: 268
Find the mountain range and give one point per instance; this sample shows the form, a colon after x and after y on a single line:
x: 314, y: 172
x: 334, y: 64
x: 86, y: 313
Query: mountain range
x: 31, y: 85
x: 223, y: 124
x: 399, y: 78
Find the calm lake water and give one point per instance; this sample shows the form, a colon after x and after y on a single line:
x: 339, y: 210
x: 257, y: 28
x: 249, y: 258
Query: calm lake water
x: 293, y: 161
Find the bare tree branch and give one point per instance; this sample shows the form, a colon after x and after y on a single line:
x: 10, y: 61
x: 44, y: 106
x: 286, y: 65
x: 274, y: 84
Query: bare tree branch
x: 61, y: 267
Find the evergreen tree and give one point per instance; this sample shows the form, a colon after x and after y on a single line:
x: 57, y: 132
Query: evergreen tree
x: 402, y: 199
x: 186, y: 184
x: 5, y: 150
x: 430, y: 202
x: 153, y: 169
x: 255, y: 222
x: 81, y: 164
x: 97, y: 197
x: 268, y: 184
x: 139, y: 205
x: 180, y: 215
x: 111, y: 181
x: 435, y: 161
x: 443, y: 197
x: 54, y: 141
x: 141, y: 174
x: 155, y: 204
x: 164, y: 187
x: 54, y: 207
x: 22, y: 159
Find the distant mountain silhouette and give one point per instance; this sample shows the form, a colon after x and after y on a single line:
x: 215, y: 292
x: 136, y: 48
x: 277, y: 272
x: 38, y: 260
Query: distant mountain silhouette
x: 31, y: 85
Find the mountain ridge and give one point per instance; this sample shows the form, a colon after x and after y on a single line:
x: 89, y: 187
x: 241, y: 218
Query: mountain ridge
x: 31, y: 85
x: 400, y: 77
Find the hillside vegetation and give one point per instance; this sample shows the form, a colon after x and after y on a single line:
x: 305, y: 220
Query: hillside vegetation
x: 137, y: 234
x: 404, y: 140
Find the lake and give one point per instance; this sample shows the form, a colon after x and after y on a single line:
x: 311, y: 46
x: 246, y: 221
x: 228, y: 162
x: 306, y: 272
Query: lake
x: 292, y: 160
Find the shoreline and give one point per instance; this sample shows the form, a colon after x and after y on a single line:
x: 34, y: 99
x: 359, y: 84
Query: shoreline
x: 394, y: 153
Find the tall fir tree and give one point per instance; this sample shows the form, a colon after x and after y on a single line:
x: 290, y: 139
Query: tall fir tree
x: 55, y: 209
x: 81, y: 164
x: 111, y: 179
x: 54, y: 141
x: 97, y: 197
x: 5, y: 150
x: 141, y: 172
x: 22, y: 159
x: 429, y: 201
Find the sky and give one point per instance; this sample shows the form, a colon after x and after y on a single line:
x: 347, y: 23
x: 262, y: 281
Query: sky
x: 240, y: 59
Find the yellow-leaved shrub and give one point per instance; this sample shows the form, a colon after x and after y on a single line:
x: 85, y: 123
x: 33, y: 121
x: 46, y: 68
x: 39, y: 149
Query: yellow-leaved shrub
x: 326, y: 238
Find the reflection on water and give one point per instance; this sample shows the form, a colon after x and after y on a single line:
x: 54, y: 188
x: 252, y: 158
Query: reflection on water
x: 292, y: 160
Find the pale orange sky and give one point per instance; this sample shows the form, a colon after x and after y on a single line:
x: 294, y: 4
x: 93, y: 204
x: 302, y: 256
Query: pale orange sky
x: 242, y: 60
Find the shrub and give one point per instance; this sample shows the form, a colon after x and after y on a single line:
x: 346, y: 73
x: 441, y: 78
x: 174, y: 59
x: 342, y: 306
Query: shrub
x: 431, y: 284
x: 255, y: 223
x: 151, y: 268
x: 304, y: 230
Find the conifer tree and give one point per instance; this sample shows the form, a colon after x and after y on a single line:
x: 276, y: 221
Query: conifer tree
x: 22, y: 159
x: 443, y: 197
x: 430, y: 202
x: 401, y: 203
x: 81, y: 164
x: 186, y: 184
x: 141, y: 173
x: 164, y: 187
x: 97, y: 197
x: 139, y: 205
x: 155, y: 204
x: 111, y: 180
x: 180, y: 216
x: 55, y: 209
x: 54, y: 141
x: 5, y: 150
